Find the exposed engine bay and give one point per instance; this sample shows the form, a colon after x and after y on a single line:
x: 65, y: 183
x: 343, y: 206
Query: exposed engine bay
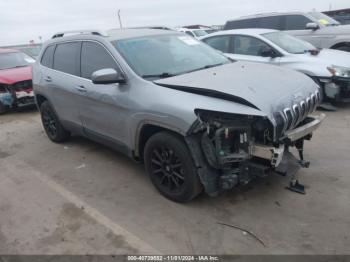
x: 238, y: 148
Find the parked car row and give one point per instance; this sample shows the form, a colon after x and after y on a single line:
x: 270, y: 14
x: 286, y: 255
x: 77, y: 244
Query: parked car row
x: 199, y: 120
x: 329, y: 68
x: 316, y: 28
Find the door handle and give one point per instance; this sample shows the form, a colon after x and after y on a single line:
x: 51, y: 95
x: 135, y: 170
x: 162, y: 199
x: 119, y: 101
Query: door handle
x: 81, y: 88
x: 48, y: 79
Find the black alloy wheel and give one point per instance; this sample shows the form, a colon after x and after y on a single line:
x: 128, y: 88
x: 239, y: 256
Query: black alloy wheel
x: 49, y: 123
x: 53, y: 128
x: 171, y: 168
x: 167, y: 169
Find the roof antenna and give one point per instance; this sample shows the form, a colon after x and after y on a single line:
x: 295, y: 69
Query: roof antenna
x: 120, y: 20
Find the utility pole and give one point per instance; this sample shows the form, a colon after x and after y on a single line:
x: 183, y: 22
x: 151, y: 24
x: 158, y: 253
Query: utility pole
x: 330, y: 6
x: 120, y: 20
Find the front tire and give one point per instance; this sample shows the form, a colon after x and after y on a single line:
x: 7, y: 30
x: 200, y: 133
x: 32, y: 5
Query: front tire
x: 53, y: 128
x: 171, y: 168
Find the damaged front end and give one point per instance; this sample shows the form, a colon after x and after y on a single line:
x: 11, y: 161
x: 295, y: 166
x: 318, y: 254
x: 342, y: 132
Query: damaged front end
x: 336, y: 89
x: 232, y: 149
x: 16, y: 95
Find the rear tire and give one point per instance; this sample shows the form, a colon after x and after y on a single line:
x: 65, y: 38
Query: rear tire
x: 53, y: 128
x: 171, y: 168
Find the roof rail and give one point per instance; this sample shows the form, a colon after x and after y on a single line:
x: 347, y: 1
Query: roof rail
x: 78, y: 32
x: 266, y: 14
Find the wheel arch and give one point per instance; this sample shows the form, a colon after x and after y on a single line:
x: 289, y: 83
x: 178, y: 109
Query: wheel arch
x: 146, y: 131
x: 40, y: 99
x: 336, y: 46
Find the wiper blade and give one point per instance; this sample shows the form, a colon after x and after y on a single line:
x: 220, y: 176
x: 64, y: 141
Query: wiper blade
x: 14, y: 67
x: 162, y: 75
x: 205, y: 67
x: 165, y: 75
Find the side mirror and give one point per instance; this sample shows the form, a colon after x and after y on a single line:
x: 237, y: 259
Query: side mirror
x: 312, y: 26
x: 268, y: 52
x: 107, y: 76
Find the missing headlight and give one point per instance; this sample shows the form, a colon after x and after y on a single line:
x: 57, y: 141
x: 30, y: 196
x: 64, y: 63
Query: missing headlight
x: 229, y: 145
x: 232, y: 144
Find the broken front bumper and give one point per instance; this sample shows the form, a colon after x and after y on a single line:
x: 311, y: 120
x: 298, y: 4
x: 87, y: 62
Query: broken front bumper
x: 275, y: 154
x: 337, y: 89
x: 312, y: 124
x: 252, y: 160
x: 24, y: 98
x: 11, y: 98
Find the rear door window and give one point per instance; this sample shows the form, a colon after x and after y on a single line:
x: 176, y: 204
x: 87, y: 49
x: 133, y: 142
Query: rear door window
x: 95, y: 57
x: 247, y: 45
x: 67, y: 58
x: 296, y: 22
x: 47, y: 59
x: 221, y: 43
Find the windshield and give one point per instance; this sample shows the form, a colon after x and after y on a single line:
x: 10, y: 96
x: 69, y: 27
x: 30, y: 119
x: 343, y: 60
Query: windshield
x: 32, y: 51
x: 12, y: 60
x: 167, y: 55
x: 324, y: 20
x: 200, y: 33
x: 289, y: 43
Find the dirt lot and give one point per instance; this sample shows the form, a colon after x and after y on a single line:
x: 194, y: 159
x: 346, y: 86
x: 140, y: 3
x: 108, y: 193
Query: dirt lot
x: 80, y: 197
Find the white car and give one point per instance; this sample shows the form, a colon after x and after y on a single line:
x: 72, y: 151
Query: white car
x: 329, y: 68
x: 196, y: 33
x: 316, y: 28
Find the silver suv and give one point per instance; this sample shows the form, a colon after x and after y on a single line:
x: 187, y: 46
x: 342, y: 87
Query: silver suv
x: 317, y: 28
x: 197, y: 119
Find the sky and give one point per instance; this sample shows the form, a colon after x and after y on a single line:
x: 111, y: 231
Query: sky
x: 25, y: 20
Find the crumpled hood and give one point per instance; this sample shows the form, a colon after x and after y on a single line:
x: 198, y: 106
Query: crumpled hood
x: 14, y: 75
x: 268, y: 88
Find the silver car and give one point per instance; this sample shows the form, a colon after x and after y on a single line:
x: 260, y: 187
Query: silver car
x: 329, y: 68
x: 195, y: 118
x: 316, y: 28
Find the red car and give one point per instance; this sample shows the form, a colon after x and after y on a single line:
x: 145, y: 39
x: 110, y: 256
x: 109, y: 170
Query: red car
x: 15, y: 80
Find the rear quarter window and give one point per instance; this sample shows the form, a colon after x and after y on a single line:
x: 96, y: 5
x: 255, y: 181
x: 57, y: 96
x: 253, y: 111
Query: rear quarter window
x: 47, y: 58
